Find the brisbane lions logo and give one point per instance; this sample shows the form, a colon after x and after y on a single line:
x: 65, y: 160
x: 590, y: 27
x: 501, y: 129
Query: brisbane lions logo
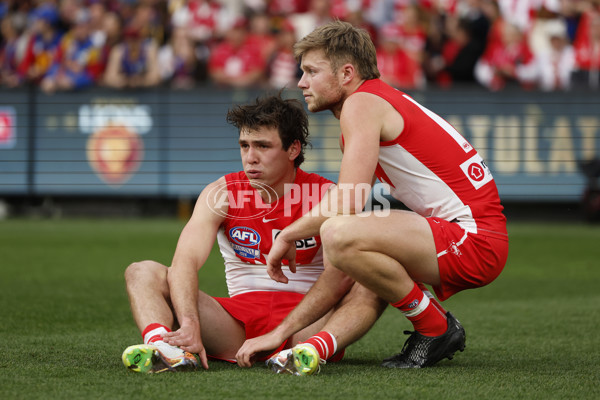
x: 115, y: 153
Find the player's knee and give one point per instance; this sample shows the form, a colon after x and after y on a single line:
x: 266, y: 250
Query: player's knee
x: 337, y: 237
x: 145, y: 270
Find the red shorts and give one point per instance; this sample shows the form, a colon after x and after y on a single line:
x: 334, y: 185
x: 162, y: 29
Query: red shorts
x: 466, y: 260
x: 261, y: 312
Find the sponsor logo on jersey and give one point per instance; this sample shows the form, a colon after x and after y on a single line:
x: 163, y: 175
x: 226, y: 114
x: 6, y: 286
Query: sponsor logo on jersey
x: 477, y: 171
x: 244, y: 241
x: 303, y: 244
x: 245, y: 251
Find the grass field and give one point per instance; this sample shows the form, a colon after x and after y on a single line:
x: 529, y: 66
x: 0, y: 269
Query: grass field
x: 532, y: 334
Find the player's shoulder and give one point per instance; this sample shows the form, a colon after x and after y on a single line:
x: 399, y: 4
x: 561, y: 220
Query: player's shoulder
x: 310, y: 177
x: 229, y: 182
x: 239, y: 176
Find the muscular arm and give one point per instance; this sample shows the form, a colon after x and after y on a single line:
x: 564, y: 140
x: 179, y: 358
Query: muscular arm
x: 361, y: 121
x: 193, y: 248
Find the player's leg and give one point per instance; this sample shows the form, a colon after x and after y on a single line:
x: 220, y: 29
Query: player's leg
x: 148, y: 291
x: 352, y: 318
x: 389, y: 256
x: 149, y: 297
x: 300, y: 359
x: 222, y: 335
x: 385, y: 254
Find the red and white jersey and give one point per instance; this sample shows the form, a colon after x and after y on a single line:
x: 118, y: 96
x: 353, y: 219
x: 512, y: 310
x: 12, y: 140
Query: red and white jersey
x: 435, y: 171
x: 246, y: 235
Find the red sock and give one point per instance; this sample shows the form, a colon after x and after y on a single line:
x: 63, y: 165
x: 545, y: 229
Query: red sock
x: 424, y: 315
x: 431, y: 298
x: 325, y: 344
x: 153, y: 332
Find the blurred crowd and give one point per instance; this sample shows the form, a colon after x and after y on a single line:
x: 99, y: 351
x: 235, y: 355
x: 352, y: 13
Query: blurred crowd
x: 71, y: 44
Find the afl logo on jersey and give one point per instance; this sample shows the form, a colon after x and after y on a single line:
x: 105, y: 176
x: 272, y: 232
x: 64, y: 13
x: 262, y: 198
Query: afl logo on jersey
x: 244, y: 236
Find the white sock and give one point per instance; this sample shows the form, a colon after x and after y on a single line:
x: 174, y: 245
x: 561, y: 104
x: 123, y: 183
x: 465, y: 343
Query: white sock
x: 153, y: 337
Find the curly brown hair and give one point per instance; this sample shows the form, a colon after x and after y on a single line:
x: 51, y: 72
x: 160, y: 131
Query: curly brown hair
x: 286, y: 115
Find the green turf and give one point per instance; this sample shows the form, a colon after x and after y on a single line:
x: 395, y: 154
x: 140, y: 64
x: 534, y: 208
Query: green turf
x: 532, y: 334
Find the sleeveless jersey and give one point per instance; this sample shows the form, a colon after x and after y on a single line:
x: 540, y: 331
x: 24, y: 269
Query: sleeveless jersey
x: 435, y: 171
x: 246, y: 236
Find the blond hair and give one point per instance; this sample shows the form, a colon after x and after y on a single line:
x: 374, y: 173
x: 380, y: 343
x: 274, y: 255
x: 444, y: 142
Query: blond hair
x: 342, y: 43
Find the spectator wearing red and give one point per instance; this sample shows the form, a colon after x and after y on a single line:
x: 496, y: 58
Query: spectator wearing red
x: 204, y: 22
x: 396, y: 66
x: 79, y: 61
x: 283, y: 69
x: 286, y: 7
x: 237, y: 62
x: 42, y: 45
x: 510, y: 62
x: 409, y: 30
x: 133, y: 63
x: 261, y: 34
x: 587, y: 49
x: 491, y: 10
x: 202, y: 19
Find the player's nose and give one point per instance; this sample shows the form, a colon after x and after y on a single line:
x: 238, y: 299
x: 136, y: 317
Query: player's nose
x: 302, y: 82
x: 252, y: 155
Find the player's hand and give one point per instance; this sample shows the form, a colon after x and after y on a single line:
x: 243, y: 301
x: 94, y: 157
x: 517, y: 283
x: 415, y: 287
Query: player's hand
x: 280, y: 250
x: 246, y: 354
x: 188, y: 339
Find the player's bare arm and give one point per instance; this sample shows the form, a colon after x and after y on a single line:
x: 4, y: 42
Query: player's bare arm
x: 361, y: 151
x: 193, y: 248
x: 284, y: 247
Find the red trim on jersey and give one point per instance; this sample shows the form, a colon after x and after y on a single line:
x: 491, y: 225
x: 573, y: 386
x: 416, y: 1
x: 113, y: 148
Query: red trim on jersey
x: 382, y: 176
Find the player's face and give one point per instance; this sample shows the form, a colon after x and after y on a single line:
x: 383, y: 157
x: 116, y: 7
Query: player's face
x: 264, y: 159
x: 321, y: 87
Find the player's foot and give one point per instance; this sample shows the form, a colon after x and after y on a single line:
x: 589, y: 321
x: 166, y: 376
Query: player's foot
x: 149, y: 359
x: 423, y: 351
x: 302, y: 359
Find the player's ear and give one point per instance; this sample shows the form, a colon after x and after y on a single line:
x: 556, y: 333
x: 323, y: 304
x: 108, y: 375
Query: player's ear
x: 294, y: 150
x: 348, y: 72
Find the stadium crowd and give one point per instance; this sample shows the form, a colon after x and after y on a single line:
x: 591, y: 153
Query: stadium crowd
x: 72, y: 44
